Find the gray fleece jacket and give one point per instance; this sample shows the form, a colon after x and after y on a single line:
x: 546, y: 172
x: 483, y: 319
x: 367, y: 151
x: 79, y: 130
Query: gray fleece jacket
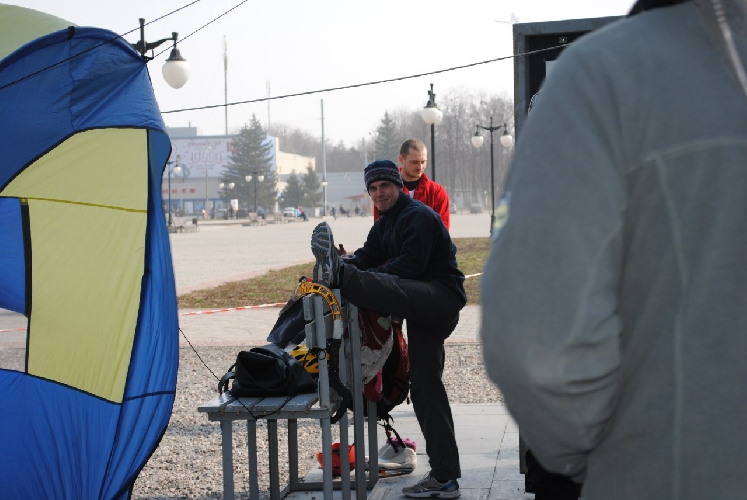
x: 614, y: 314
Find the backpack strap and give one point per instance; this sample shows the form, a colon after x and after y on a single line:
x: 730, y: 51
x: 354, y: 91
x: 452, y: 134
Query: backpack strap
x: 388, y: 429
x: 223, y: 383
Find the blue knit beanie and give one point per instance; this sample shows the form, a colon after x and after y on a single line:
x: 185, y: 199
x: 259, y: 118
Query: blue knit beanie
x: 382, y: 170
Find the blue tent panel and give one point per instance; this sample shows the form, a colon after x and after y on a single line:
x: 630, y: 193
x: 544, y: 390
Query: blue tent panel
x: 12, y: 259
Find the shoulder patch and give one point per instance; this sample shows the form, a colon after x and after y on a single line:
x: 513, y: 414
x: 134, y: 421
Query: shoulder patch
x: 501, y: 215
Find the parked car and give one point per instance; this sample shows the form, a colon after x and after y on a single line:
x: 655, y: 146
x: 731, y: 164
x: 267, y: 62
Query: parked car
x: 475, y: 208
x: 289, y: 212
x: 241, y: 213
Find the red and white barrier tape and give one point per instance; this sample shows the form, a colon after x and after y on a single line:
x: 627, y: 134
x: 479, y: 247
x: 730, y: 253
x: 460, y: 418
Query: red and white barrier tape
x: 216, y: 311
x: 229, y: 309
x: 13, y: 330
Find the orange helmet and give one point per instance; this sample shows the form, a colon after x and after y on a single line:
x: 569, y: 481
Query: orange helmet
x: 336, y: 459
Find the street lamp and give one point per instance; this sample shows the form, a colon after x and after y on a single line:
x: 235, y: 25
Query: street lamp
x: 324, y: 190
x: 256, y: 178
x: 176, y: 171
x: 229, y: 187
x: 204, y: 148
x: 432, y: 116
x: 506, y: 141
x: 175, y: 70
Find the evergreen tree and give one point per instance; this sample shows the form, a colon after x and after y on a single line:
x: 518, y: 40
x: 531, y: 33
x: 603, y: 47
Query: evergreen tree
x: 387, y: 140
x: 293, y: 193
x: 252, y: 155
x: 311, y: 188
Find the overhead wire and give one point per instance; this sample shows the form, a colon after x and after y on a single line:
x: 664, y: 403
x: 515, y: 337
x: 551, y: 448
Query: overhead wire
x: 268, y: 98
x: 356, y: 85
x: 206, y: 24
x: 110, y: 40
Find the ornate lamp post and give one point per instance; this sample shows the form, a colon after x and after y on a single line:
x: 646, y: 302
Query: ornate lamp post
x: 176, y: 171
x: 432, y: 116
x: 257, y: 177
x: 506, y: 140
x: 175, y: 70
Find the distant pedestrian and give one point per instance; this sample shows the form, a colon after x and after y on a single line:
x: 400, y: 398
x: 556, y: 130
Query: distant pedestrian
x: 300, y: 213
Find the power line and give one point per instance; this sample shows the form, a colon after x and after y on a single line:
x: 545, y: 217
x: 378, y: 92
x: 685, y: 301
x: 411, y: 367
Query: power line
x: 356, y: 85
x: 206, y: 24
x: 71, y: 31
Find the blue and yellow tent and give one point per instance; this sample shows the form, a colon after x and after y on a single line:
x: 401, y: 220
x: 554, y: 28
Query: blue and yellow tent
x: 85, y: 256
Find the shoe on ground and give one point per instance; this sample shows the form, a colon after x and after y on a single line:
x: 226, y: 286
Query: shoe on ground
x: 327, y: 267
x: 388, y: 451
x: 429, y: 487
x: 404, y: 460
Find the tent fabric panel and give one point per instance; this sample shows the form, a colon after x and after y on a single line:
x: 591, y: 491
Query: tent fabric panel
x: 156, y: 343
x: 127, y: 460
x: 70, y: 96
x: 102, y: 166
x: 98, y: 253
x: 20, y: 26
x: 59, y: 438
x: 157, y: 340
x: 12, y: 258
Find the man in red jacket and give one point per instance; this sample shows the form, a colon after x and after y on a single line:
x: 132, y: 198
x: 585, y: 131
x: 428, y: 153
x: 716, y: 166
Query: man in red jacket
x: 413, y: 157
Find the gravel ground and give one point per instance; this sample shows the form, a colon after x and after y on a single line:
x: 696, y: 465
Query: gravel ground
x: 187, y: 464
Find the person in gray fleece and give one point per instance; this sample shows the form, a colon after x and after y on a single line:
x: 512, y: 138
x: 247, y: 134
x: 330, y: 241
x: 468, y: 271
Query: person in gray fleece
x: 614, y: 299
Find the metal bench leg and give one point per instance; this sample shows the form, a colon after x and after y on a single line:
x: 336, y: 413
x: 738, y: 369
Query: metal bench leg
x: 272, y: 437
x: 327, y: 456
x: 226, y: 432
x: 373, y: 475
x: 293, y: 454
x: 251, y: 440
x: 345, y: 462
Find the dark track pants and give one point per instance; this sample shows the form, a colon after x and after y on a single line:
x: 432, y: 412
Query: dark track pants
x: 432, y: 313
x: 547, y: 485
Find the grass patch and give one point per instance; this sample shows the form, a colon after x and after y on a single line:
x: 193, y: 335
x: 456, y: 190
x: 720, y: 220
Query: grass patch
x: 277, y: 285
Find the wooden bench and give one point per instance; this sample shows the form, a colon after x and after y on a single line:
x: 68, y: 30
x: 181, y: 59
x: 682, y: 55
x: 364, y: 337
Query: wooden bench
x: 317, y: 405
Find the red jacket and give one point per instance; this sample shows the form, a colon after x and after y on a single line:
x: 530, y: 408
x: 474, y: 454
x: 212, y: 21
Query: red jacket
x: 432, y: 194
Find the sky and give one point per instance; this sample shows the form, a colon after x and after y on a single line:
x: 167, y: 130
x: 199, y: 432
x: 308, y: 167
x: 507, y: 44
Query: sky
x: 296, y: 46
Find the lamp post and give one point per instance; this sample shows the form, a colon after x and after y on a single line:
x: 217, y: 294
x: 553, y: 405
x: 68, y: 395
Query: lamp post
x: 175, y: 70
x: 204, y: 148
x: 324, y: 190
x: 176, y: 170
x: 257, y: 177
x: 228, y: 187
x: 432, y: 116
x: 506, y: 140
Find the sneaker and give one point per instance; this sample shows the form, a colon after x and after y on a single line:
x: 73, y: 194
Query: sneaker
x: 429, y: 487
x: 327, y: 267
x: 388, y: 451
x: 405, y: 460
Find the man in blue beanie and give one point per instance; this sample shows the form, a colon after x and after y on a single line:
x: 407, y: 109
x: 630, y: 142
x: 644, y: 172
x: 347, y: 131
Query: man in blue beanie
x: 407, y: 268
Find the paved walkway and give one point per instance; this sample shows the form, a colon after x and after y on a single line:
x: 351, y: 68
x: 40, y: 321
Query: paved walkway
x: 226, y: 250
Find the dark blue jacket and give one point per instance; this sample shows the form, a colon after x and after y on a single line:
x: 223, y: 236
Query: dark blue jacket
x: 410, y: 241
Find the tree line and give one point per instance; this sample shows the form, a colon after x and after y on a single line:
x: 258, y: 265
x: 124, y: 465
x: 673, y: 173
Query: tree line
x: 461, y: 168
